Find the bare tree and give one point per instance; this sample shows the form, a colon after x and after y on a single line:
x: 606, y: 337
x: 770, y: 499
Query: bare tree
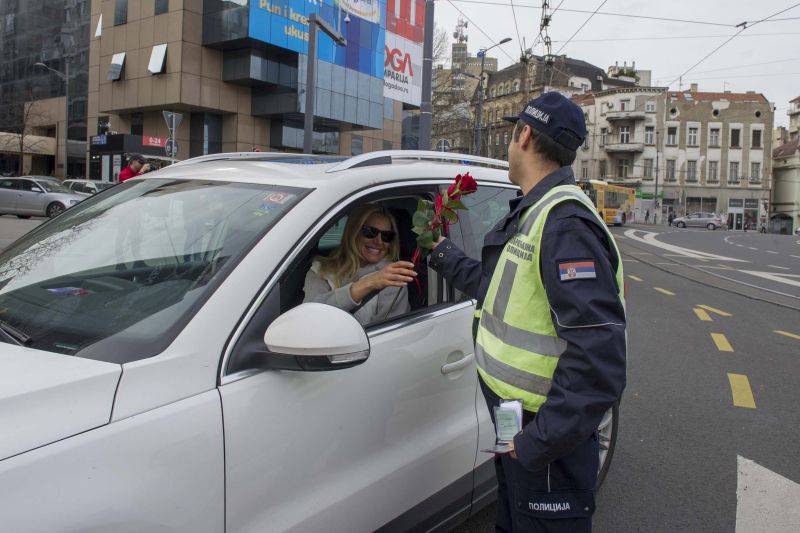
x: 21, y: 126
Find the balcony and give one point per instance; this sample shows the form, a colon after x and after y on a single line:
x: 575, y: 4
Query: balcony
x: 624, y: 148
x: 625, y: 115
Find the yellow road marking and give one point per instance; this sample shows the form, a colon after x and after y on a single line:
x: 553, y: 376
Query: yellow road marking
x: 722, y: 342
x: 714, y: 310
x: 635, y: 278
x: 664, y: 291
x: 741, y: 391
x: 702, y: 315
x: 787, y: 334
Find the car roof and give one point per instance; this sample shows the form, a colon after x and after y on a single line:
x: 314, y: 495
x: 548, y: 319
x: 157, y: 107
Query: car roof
x: 299, y: 170
x: 48, y: 178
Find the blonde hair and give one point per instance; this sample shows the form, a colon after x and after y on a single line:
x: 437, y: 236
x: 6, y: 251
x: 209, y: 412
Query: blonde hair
x: 345, y: 262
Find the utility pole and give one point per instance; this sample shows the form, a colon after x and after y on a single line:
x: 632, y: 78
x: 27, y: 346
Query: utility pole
x: 426, y: 107
x: 311, y: 64
x: 658, y: 149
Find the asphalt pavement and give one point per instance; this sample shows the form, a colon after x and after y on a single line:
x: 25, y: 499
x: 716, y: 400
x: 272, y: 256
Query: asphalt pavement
x: 712, y: 374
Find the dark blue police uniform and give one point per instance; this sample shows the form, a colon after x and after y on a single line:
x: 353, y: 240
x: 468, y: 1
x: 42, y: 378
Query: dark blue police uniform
x: 550, y: 486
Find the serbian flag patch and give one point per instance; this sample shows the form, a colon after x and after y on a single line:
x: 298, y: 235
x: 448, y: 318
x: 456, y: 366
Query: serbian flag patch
x: 577, y: 270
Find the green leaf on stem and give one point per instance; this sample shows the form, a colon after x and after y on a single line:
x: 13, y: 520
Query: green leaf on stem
x: 451, y: 216
x: 456, y: 204
x: 419, y: 230
x: 425, y: 241
x: 421, y: 219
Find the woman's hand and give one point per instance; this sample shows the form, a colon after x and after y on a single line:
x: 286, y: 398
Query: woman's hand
x: 397, y: 274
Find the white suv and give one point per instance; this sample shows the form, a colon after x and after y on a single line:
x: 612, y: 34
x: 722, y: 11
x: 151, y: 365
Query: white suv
x: 160, y: 372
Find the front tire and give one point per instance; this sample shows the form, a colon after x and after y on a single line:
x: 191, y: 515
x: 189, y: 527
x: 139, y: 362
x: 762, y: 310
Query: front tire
x: 681, y: 224
x: 711, y: 226
x: 55, y: 209
x: 607, y: 436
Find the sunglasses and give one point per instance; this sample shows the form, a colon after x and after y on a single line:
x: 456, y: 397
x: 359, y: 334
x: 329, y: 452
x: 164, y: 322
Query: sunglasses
x: 370, y: 232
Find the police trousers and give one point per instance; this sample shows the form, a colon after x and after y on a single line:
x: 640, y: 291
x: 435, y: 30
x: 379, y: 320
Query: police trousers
x: 556, y: 499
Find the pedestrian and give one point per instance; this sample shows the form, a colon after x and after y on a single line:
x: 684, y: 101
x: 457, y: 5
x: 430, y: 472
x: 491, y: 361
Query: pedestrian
x: 647, y: 216
x: 670, y: 218
x: 551, y: 326
x: 135, y: 163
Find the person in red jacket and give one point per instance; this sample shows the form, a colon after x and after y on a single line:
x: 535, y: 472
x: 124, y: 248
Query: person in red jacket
x: 135, y: 162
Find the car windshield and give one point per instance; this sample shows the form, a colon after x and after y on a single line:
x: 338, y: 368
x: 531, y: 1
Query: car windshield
x: 102, y: 185
x: 116, y: 277
x: 52, y: 186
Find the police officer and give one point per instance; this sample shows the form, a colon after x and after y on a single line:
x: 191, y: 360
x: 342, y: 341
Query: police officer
x: 551, y: 326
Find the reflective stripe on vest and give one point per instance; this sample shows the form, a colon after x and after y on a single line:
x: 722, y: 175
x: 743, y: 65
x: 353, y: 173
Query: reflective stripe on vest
x: 517, y: 348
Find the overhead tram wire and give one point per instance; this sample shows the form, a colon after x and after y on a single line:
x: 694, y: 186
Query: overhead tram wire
x: 541, y: 29
x: 480, y: 29
x: 744, y: 26
x: 739, y: 66
x: 516, y: 27
x: 582, y: 25
x: 676, y: 37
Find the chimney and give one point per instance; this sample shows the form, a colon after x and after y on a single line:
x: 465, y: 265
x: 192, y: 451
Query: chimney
x: 633, y: 65
x: 693, y: 88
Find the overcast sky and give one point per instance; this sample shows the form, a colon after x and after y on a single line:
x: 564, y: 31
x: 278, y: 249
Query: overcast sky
x: 765, y: 57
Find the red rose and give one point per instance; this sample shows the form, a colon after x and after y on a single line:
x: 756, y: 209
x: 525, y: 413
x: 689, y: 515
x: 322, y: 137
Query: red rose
x: 451, y: 190
x: 468, y: 184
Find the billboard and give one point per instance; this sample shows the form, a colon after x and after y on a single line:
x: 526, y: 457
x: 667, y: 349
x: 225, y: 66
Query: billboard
x: 284, y: 23
x: 405, y: 27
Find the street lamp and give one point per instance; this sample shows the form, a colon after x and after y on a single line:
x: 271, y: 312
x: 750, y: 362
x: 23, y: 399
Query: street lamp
x: 65, y: 78
x: 313, y: 24
x: 479, y: 128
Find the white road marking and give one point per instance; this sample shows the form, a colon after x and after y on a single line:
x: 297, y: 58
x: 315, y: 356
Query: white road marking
x: 650, y: 238
x: 795, y: 256
x: 756, y: 249
x: 780, y: 278
x: 780, y: 268
x: 765, y: 501
x: 771, y: 252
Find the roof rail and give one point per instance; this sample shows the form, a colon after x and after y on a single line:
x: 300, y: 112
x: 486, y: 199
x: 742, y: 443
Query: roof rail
x: 387, y: 157
x: 248, y: 156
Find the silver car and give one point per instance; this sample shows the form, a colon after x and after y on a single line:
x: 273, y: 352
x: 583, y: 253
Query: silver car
x: 702, y: 220
x: 86, y: 187
x: 28, y: 196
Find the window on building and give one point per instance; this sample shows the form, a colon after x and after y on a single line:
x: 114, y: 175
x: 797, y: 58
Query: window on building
x: 493, y: 92
x: 647, y: 172
x: 516, y: 86
x: 649, y: 135
x: 713, y: 137
x: 586, y: 142
x: 162, y: 6
x: 691, y: 171
x: 387, y: 145
x: 733, y: 174
x: 584, y: 170
x: 624, y: 134
x: 158, y: 59
x: 388, y: 108
x: 505, y: 138
x: 137, y: 124
x: 603, y: 136
x: 624, y: 105
x: 713, y: 171
x: 357, y: 145
x: 670, y: 170
x: 692, y: 137
x: 116, y: 66
x: 755, y: 171
x: 120, y: 12
x: 602, y: 169
x: 756, y: 139
x: 622, y: 168
x: 735, y: 142
x: 672, y: 136
x: 650, y: 106
x: 497, y: 140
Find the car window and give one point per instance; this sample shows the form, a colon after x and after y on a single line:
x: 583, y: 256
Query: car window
x: 29, y: 185
x: 8, y: 184
x: 167, y: 245
x: 485, y: 207
x: 52, y: 186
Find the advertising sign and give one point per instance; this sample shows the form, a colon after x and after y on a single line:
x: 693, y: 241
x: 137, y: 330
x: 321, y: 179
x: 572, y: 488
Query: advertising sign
x: 402, y: 65
x: 158, y: 142
x: 284, y: 23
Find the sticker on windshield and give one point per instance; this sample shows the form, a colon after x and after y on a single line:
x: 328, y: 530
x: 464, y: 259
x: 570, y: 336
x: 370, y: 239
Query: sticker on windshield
x: 273, y: 201
x: 69, y: 291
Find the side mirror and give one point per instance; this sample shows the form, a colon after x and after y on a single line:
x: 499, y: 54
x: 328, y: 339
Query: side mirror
x: 315, y: 337
x: 36, y: 189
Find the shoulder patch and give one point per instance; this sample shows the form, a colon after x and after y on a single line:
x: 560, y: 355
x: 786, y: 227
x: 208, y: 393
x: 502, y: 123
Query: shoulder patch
x: 572, y: 270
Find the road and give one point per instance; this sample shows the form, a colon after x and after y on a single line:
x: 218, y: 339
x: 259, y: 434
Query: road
x: 709, y: 424
x: 709, y: 421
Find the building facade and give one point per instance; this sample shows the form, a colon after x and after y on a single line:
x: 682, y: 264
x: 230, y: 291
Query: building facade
x: 785, y: 212
x: 684, y: 151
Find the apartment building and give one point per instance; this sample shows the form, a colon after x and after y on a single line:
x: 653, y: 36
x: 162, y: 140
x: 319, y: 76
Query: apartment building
x: 785, y: 206
x: 685, y: 150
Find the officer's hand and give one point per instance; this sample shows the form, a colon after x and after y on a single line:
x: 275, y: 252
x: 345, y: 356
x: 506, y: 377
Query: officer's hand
x: 512, y: 452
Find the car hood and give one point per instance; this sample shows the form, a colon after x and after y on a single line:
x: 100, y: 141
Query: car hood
x: 45, y: 397
x: 65, y: 196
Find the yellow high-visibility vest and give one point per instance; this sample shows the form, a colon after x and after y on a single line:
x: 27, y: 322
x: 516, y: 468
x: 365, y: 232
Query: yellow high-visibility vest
x: 517, y: 348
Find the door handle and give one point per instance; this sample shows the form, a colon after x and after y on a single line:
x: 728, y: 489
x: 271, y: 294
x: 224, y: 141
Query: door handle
x: 461, y: 364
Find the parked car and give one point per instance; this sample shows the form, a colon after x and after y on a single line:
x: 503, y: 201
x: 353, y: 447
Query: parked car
x: 711, y: 221
x: 42, y: 196
x: 86, y: 187
x: 161, y: 373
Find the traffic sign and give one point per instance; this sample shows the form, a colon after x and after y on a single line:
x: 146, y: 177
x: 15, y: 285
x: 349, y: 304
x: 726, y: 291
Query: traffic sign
x: 173, y: 121
x: 443, y: 145
x: 171, y: 147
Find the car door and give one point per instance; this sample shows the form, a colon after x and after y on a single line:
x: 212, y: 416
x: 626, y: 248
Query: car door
x: 30, y: 198
x: 387, y: 444
x: 8, y: 195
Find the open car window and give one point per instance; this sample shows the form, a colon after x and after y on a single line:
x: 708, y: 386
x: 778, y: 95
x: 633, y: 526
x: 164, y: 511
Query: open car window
x: 116, y: 277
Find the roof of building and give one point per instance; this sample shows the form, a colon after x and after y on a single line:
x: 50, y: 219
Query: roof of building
x: 583, y: 99
x: 715, y: 97
x: 787, y: 149
x: 795, y: 100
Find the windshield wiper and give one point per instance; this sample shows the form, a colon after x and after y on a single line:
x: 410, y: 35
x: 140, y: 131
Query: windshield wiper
x: 14, y: 335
